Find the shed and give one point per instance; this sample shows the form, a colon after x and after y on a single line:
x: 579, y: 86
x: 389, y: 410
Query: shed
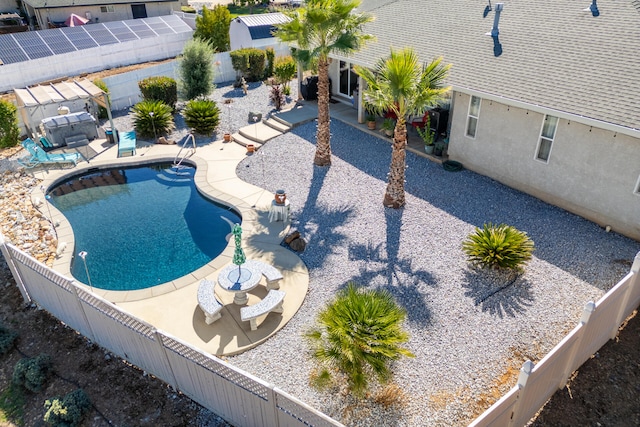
x: 39, y: 102
x: 254, y: 30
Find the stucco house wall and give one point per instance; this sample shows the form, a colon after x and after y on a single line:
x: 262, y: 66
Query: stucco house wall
x: 591, y: 171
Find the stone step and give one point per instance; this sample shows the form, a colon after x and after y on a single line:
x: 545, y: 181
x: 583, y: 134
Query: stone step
x: 280, y: 120
x: 277, y: 125
x: 239, y: 139
x: 259, y: 132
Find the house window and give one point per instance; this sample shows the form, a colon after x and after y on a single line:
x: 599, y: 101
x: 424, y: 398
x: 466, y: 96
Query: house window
x: 472, y: 118
x: 107, y: 9
x: 547, y: 134
x: 348, y: 79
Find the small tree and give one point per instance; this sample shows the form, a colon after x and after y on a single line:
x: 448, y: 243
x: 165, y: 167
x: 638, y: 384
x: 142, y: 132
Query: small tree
x: 9, y: 130
x: 499, y: 247
x: 285, y: 71
x: 271, y: 55
x: 102, y: 112
x: 213, y: 27
x: 359, y: 334
x: 196, y: 69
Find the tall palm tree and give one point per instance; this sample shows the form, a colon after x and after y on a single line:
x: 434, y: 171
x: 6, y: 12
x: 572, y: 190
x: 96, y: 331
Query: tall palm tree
x: 401, y: 85
x: 317, y: 29
x: 359, y: 334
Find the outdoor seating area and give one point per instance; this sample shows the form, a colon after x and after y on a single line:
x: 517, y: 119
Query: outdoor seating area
x: 239, y: 280
x: 37, y: 156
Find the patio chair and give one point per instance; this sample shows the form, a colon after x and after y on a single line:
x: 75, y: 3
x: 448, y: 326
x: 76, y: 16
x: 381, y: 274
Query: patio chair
x: 39, y: 156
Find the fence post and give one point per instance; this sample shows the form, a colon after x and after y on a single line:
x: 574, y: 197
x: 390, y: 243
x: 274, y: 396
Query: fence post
x: 622, y: 314
x: 525, y: 371
x: 158, y: 336
x: 14, y: 271
x: 588, y: 310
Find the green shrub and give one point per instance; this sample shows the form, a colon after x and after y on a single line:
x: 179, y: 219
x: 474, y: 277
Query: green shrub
x: 102, y: 112
x: 271, y: 54
x: 32, y: 373
x: 67, y: 411
x: 498, y: 246
x: 7, y: 339
x: 161, y: 88
x: 196, y: 69
x: 285, y: 70
x: 9, y: 129
x: 202, y: 115
x: 358, y: 335
x: 248, y: 63
x: 152, y: 118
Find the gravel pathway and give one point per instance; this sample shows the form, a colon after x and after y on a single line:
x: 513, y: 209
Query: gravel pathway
x: 464, y: 336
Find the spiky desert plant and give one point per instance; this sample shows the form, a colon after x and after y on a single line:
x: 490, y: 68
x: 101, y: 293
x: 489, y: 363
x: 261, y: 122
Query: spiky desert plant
x: 498, y: 246
x: 152, y: 118
x: 359, y: 334
x: 202, y: 115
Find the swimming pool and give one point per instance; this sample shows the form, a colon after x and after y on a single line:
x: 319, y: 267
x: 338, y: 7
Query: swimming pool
x: 141, y: 226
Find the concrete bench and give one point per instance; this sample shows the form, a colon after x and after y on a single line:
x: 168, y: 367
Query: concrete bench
x: 272, y: 302
x: 269, y: 272
x: 208, y: 302
x: 127, y: 143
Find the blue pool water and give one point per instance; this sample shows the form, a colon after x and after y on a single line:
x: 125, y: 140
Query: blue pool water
x: 141, y: 226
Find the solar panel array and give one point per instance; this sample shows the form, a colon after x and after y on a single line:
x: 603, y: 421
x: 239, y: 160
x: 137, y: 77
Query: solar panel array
x: 20, y: 47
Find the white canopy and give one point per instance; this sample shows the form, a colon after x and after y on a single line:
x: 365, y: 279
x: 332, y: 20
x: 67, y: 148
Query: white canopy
x: 32, y: 98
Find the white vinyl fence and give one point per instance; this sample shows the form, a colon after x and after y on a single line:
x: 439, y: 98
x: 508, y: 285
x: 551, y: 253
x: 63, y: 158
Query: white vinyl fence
x: 537, y: 383
x: 245, y: 400
x: 235, y: 395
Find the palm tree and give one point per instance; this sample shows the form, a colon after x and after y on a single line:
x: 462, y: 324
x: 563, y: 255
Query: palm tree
x: 317, y: 29
x: 401, y: 85
x: 359, y: 334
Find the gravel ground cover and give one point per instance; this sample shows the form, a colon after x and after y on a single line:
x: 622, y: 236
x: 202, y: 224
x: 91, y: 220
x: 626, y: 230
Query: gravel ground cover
x: 469, y: 340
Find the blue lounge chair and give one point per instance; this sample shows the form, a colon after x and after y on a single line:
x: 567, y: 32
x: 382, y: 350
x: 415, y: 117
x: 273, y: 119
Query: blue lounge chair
x: 37, y: 156
x: 126, y: 143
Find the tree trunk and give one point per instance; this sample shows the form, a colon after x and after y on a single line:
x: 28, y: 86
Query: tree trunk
x: 394, y: 196
x: 323, y: 135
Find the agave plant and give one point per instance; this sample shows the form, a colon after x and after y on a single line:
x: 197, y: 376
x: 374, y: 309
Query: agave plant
x: 152, y: 118
x: 202, y: 115
x: 498, y: 246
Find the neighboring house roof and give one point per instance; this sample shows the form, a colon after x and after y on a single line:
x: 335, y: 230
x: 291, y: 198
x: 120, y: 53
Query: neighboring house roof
x: 49, y: 4
x: 262, y: 26
x: 554, y: 54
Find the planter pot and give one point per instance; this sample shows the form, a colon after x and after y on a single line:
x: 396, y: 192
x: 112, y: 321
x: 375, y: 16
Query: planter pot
x: 280, y: 197
x: 227, y: 137
x: 438, y: 150
x: 371, y: 125
x: 251, y: 148
x: 389, y: 133
x: 429, y: 149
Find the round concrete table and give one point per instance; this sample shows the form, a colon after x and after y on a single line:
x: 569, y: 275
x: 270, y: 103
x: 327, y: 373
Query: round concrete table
x: 239, y: 280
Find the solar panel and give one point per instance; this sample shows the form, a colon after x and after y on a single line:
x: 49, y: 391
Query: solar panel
x: 141, y: 29
x: 32, y: 44
x: 100, y: 34
x: 10, y: 52
x: 56, y: 41
x: 120, y: 30
x: 161, y: 28
x: 175, y: 23
x: 79, y: 37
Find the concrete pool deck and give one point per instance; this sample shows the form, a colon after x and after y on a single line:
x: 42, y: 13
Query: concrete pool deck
x: 173, y: 307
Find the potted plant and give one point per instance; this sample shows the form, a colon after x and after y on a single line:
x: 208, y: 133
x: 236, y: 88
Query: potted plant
x: 388, y: 126
x: 427, y: 136
x: 371, y: 121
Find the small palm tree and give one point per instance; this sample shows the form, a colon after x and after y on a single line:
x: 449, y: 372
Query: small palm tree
x: 499, y: 247
x: 152, y: 118
x: 401, y: 85
x: 319, y: 28
x: 359, y: 334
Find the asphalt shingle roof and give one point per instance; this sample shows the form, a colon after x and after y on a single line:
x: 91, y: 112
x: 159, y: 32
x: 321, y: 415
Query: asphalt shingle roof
x: 555, y: 54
